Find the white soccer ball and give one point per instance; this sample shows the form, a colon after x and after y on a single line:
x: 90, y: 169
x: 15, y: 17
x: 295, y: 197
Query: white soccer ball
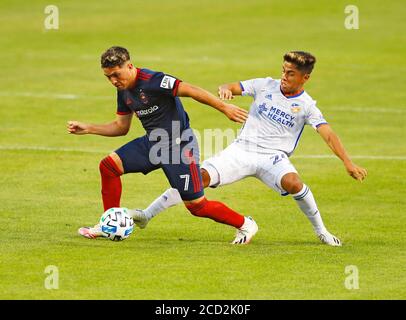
x: 117, y: 224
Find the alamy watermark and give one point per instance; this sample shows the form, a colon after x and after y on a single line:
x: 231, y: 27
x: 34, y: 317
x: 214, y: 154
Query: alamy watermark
x: 352, y: 17
x: 176, y: 145
x: 51, y: 281
x: 352, y: 280
x: 51, y: 21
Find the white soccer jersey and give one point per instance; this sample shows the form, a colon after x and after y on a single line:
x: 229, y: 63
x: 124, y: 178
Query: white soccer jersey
x: 276, y: 122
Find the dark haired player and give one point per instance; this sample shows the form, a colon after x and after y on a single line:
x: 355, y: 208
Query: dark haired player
x: 169, y: 142
x: 276, y: 120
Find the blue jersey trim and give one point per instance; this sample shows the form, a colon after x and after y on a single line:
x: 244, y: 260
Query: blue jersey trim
x: 291, y: 97
x: 241, y: 86
x: 321, y: 124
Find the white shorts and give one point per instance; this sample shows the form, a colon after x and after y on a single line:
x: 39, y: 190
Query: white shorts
x: 235, y: 163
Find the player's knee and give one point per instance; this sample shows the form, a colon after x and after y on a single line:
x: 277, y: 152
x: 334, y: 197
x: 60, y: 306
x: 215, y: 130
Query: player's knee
x: 210, y: 175
x: 108, y: 167
x: 291, y: 183
x: 198, y: 209
x: 205, y: 177
x: 296, y: 187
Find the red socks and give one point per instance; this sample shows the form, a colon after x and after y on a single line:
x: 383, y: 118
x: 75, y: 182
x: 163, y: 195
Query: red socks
x: 111, y: 183
x: 216, y: 211
x: 111, y: 194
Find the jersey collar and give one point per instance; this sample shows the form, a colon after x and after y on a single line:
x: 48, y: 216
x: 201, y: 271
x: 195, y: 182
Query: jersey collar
x: 291, y: 97
x: 136, y: 77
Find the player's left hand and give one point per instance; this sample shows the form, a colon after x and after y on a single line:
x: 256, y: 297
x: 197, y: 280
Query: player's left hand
x: 356, y: 172
x: 225, y: 93
x: 235, y: 113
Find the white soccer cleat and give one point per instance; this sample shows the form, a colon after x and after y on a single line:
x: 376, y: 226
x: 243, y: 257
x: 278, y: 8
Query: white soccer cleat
x: 246, y: 232
x: 327, y: 238
x: 139, y: 217
x: 92, y: 232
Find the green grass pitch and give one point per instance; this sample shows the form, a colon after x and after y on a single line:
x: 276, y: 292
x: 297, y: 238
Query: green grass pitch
x: 50, y: 182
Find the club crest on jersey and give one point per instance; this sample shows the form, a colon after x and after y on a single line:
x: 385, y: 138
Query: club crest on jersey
x: 143, y: 97
x: 295, y: 108
x: 262, y: 108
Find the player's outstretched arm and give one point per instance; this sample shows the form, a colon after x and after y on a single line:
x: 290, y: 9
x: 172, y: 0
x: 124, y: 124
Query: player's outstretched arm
x: 333, y: 141
x: 229, y: 90
x: 118, y: 127
x: 233, y: 112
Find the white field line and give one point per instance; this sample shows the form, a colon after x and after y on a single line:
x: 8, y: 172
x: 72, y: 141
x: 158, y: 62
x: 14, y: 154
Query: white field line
x: 309, y: 156
x: 70, y: 96
x: 322, y: 156
x: 52, y: 149
x: 369, y: 110
x: 57, y: 96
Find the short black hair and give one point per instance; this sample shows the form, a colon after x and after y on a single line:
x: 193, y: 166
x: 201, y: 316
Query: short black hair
x: 304, y: 61
x: 114, y: 56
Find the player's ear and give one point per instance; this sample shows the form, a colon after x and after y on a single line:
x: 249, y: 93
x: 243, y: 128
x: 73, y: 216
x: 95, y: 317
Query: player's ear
x: 306, y: 77
x: 130, y: 66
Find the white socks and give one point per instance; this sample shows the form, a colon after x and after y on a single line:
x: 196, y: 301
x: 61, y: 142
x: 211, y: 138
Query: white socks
x: 305, y: 200
x: 169, y: 198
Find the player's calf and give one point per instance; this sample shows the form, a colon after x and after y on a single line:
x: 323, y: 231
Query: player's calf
x: 219, y: 212
x: 216, y: 211
x: 111, y: 182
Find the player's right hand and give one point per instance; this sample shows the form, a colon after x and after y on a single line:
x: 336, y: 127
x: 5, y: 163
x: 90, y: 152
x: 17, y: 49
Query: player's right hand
x: 235, y: 113
x: 76, y: 127
x: 225, y: 94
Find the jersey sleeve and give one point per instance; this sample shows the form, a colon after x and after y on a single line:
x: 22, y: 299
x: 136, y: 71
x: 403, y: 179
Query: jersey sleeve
x: 252, y: 87
x: 314, y: 117
x: 164, y: 83
x: 122, y: 108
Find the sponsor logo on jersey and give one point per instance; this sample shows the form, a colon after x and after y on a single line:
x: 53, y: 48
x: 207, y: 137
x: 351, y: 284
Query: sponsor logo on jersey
x: 277, y: 115
x: 144, y: 112
x: 295, y: 108
x: 269, y: 96
x: 167, y: 82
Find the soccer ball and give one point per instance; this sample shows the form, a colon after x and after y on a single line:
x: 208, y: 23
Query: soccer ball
x: 116, y: 224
